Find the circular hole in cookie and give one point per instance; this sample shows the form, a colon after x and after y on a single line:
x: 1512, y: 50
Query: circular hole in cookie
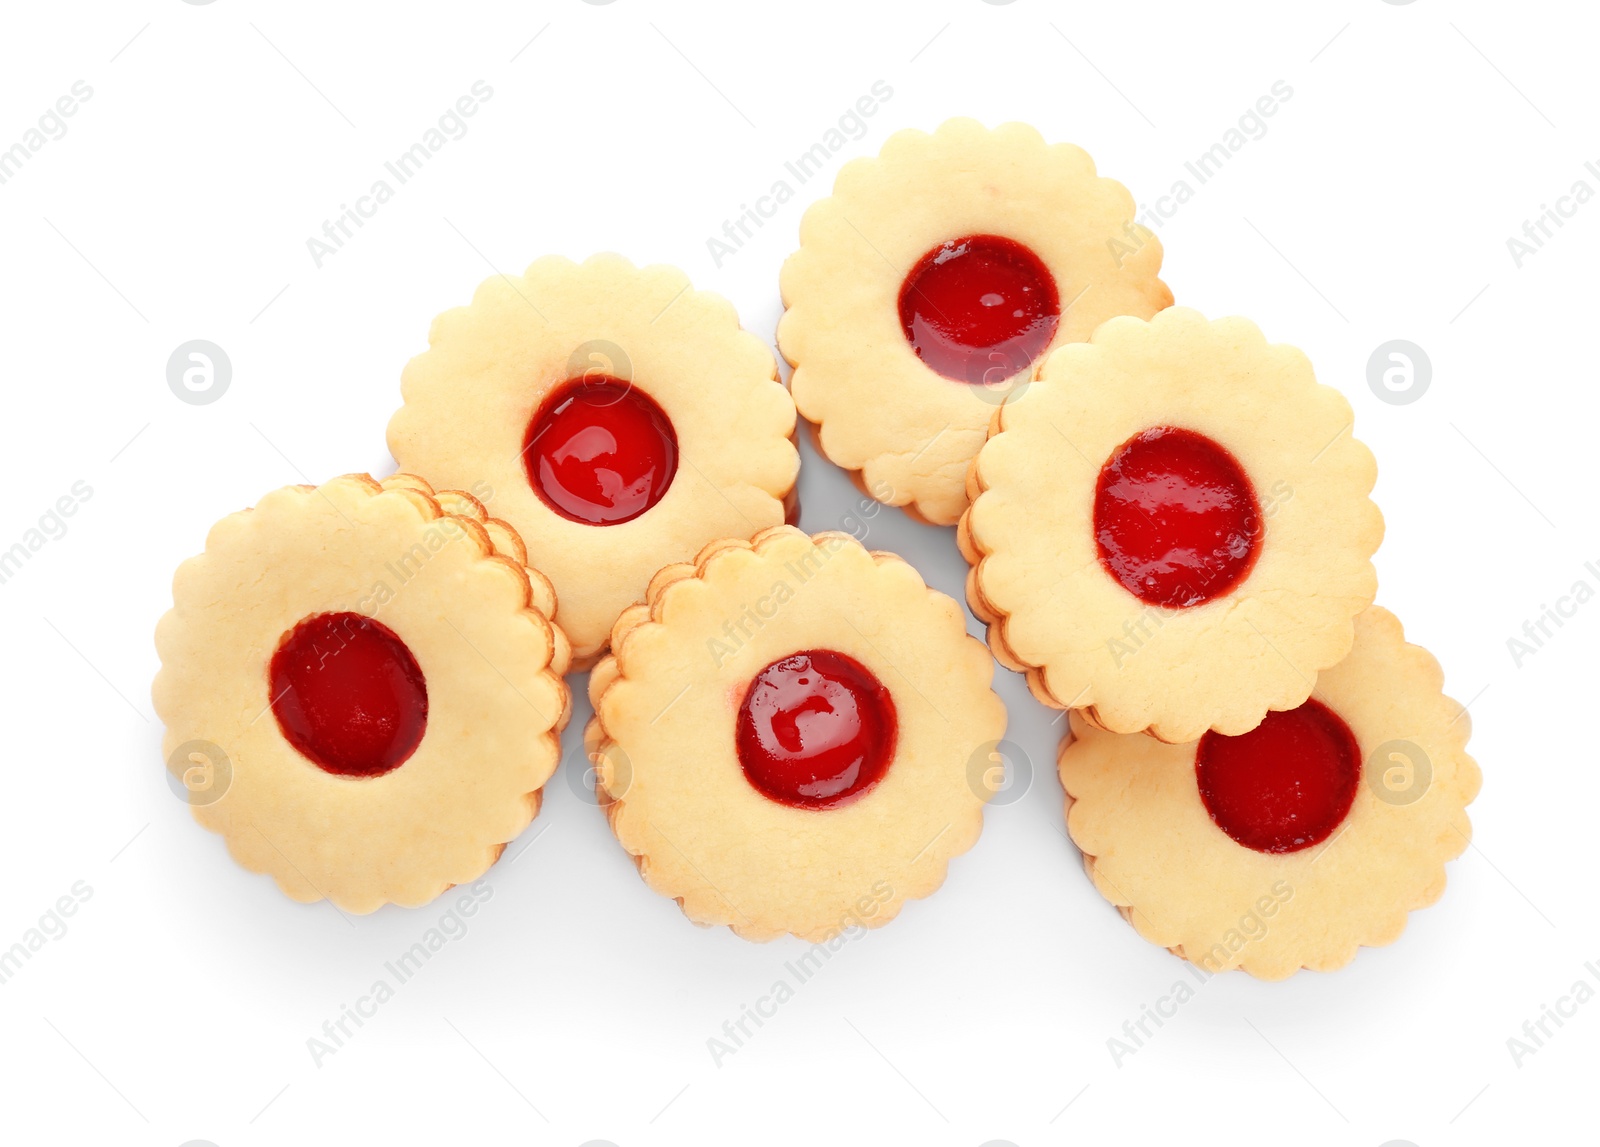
x: 1176, y: 521
x: 979, y: 309
x: 600, y: 451
x: 816, y: 730
x: 1285, y: 785
x: 348, y: 694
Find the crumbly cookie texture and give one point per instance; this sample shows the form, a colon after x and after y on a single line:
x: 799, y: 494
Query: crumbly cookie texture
x: 1135, y: 810
x: 906, y: 433
x: 449, y: 581
x: 470, y: 396
x: 663, y: 736
x: 1087, y: 643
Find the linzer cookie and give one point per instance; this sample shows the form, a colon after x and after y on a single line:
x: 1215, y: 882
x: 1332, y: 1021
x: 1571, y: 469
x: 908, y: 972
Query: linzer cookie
x: 785, y: 735
x: 1294, y: 844
x: 1171, y: 531
x: 622, y: 419
x: 362, y: 689
x: 931, y: 283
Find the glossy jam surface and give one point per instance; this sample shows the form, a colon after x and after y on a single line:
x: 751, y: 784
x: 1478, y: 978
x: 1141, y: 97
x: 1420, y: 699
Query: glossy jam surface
x: 1285, y: 785
x: 600, y: 451
x: 348, y: 694
x: 979, y: 309
x: 816, y: 730
x: 1175, y: 518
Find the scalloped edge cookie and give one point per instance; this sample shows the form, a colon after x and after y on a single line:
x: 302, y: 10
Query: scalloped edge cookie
x: 906, y: 433
x: 1134, y: 809
x: 662, y: 737
x: 469, y: 398
x: 1085, y: 641
x: 396, y: 551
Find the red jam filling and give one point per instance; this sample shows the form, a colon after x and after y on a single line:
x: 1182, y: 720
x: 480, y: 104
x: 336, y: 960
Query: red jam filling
x: 600, y: 451
x: 979, y: 309
x: 348, y: 694
x: 1175, y: 518
x: 816, y: 730
x: 1285, y: 785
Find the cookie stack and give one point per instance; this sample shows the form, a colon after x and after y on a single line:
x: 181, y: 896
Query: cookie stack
x: 1166, y: 517
x: 1260, y: 772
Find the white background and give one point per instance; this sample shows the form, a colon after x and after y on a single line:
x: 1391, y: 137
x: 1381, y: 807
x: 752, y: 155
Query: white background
x: 219, y: 138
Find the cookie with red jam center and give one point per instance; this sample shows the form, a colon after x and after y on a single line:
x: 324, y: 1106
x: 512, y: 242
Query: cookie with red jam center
x: 794, y: 735
x: 816, y: 729
x: 933, y: 282
x: 362, y: 689
x: 1293, y: 844
x: 617, y: 418
x: 1171, y: 530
